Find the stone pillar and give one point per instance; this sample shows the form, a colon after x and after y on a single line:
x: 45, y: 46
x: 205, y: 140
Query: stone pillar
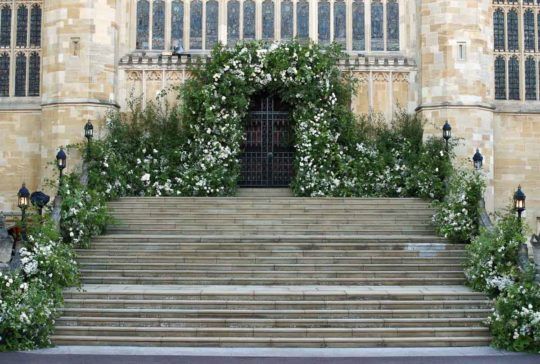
x: 456, y: 75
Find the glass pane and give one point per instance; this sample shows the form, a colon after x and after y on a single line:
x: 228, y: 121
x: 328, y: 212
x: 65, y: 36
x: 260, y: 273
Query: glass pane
x: 33, y: 74
x: 377, y: 32
x: 392, y: 25
x: 35, y: 26
x: 302, y: 20
x: 512, y: 19
x: 528, y: 29
x: 4, y: 74
x: 5, y: 27
x: 143, y: 20
x: 324, y: 22
x: 500, y: 79
x: 249, y: 19
x: 498, y: 29
x: 530, y: 79
x: 20, y: 75
x: 177, y: 24
x: 268, y: 20
x: 195, y: 25
x: 158, y: 28
x: 212, y: 15
x: 287, y: 19
x: 22, y: 26
x: 233, y: 22
x: 359, y: 42
x: 340, y: 22
x: 513, y: 79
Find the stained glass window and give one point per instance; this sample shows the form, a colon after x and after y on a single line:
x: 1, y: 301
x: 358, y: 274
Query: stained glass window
x: 528, y: 30
x: 143, y: 20
x: 358, y: 32
x: 377, y: 23
x: 35, y: 26
x: 268, y: 20
x: 20, y: 75
x: 498, y: 29
x: 177, y: 23
x: 233, y: 22
x: 513, y: 79
x: 324, y: 22
x: 158, y: 26
x: 5, y: 27
x: 302, y: 19
x: 33, y: 74
x: 287, y: 20
x: 530, y: 79
x: 22, y: 25
x: 195, y: 25
x: 340, y: 22
x: 212, y: 19
x: 500, y: 79
x: 249, y: 19
x: 4, y: 75
x: 512, y: 20
x: 392, y: 25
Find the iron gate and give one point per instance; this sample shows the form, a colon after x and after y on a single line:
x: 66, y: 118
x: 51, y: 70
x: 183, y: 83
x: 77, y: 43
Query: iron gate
x: 267, y: 152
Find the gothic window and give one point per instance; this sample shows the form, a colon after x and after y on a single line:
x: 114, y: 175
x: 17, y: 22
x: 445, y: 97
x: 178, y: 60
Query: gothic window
x: 268, y: 20
x: 20, y: 75
x: 358, y: 41
x: 513, y: 78
x: 340, y: 22
x: 249, y: 19
x: 4, y: 74
x: 528, y: 30
x: 143, y: 20
x: 500, y: 79
x: 498, y: 25
x: 287, y: 20
x: 377, y: 30
x: 233, y: 22
x: 177, y: 23
x: 195, y: 25
x: 512, y: 24
x: 538, y: 35
x: 302, y: 19
x: 158, y: 26
x: 33, y: 74
x: 530, y: 79
x: 35, y: 26
x: 5, y: 27
x: 22, y: 26
x: 212, y: 19
x: 392, y: 25
x: 324, y: 21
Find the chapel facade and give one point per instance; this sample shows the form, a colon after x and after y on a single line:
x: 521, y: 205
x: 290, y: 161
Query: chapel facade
x: 474, y: 63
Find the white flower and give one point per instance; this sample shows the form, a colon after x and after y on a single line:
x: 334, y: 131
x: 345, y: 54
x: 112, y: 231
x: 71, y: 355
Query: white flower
x: 145, y: 177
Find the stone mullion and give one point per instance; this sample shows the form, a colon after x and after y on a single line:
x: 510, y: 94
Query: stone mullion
x: 258, y: 19
x: 295, y: 8
x: 348, y: 26
x: 151, y: 25
x: 521, y: 45
x: 277, y: 20
x: 241, y: 20
x: 505, y: 12
x: 313, y: 29
x: 203, y: 21
x: 385, y: 31
x: 331, y: 2
x: 507, y: 77
x: 187, y: 35
x: 12, y: 51
x: 367, y: 26
x: 168, y: 25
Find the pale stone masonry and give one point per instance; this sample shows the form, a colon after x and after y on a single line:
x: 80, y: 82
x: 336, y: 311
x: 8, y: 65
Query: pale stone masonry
x: 444, y: 70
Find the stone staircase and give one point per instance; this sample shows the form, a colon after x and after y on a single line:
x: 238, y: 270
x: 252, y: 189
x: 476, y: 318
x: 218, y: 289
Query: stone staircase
x: 255, y: 270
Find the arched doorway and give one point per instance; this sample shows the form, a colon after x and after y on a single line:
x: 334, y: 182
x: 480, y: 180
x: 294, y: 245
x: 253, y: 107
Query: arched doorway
x: 267, y: 150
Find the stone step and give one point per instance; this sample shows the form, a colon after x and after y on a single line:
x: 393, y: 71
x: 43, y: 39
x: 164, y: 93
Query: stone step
x: 261, y: 231
x: 342, y: 201
x: 250, y: 220
x: 264, y: 192
x: 283, y: 229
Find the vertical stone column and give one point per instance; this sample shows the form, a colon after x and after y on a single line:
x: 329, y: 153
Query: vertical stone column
x: 454, y: 89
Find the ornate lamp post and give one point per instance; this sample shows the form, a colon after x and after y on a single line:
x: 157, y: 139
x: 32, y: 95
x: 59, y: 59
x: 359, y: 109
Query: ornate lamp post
x: 88, y: 134
x: 61, y: 162
x: 446, y: 133
x: 23, y: 200
x: 519, y: 202
x: 478, y: 160
x: 40, y: 200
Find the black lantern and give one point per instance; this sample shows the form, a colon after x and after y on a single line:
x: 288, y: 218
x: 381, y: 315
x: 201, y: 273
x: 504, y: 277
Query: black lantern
x: 446, y: 132
x: 61, y: 160
x: 478, y: 160
x: 23, y: 200
x: 40, y: 200
x: 89, y: 131
x: 519, y: 201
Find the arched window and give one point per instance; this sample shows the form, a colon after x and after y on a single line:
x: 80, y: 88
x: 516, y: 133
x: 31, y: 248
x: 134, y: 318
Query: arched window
x: 513, y: 78
x: 530, y: 79
x: 233, y: 22
x: 528, y: 30
x: 340, y: 22
x: 212, y: 19
x: 302, y: 19
x: 177, y: 23
x: 249, y: 19
x: 195, y: 25
x: 377, y: 30
x: 22, y: 26
x: 324, y: 22
x: 5, y: 27
x: 35, y: 26
x: 4, y: 75
x: 512, y: 24
x: 287, y: 20
x: 33, y: 74
x: 268, y: 20
x: 158, y: 26
x: 392, y: 25
x: 358, y: 24
x: 20, y: 75
x: 498, y: 29
x: 143, y: 21
x: 500, y: 78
